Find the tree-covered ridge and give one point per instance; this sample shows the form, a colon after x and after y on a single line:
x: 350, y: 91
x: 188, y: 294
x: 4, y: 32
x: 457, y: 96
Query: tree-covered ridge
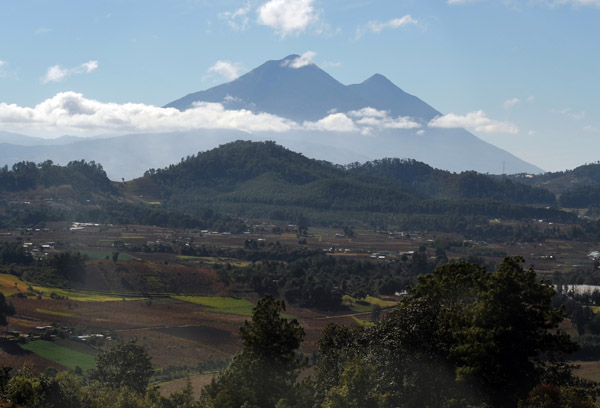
x: 82, y: 176
x: 258, y: 179
x: 559, y: 182
x: 239, y: 161
x: 444, y: 184
x: 581, y: 197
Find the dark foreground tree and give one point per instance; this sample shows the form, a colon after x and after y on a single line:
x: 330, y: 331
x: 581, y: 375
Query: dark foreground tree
x: 125, y: 364
x: 264, y: 374
x: 6, y: 309
x: 464, y: 337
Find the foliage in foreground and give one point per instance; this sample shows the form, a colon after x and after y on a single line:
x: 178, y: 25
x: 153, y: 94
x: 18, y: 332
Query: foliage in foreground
x: 464, y: 338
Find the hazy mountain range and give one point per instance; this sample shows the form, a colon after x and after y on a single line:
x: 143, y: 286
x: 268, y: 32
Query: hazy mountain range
x: 393, y: 124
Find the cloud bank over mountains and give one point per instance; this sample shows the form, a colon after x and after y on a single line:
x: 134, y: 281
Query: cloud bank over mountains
x: 72, y: 113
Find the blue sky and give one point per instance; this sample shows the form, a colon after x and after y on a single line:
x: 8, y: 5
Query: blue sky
x: 522, y: 75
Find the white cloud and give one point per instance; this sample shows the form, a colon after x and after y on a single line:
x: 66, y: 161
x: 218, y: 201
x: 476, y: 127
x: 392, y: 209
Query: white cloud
x: 226, y: 69
x: 89, y: 66
x: 379, y: 26
x: 531, y: 99
x: 72, y: 113
x: 380, y: 119
x: 395, y: 23
x: 238, y: 19
x: 287, y: 16
x: 336, y: 122
x: 420, y: 132
x: 302, y: 61
x: 2, y: 65
x: 531, y: 133
x: 57, y: 73
x: 511, y: 102
x: 477, y: 121
x: 591, y: 129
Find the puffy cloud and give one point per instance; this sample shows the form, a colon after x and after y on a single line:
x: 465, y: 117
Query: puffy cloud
x: 238, y: 19
x: 57, y: 73
x: 2, y: 65
x: 72, y: 113
x: 474, y: 120
x: 335, y: 122
x: 379, y: 26
x: 531, y: 99
x: 511, y: 102
x: 226, y: 69
x: 380, y: 119
x: 287, y: 16
x: 302, y: 61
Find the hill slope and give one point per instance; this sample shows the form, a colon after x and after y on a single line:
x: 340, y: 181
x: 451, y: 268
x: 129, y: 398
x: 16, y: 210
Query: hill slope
x: 264, y: 180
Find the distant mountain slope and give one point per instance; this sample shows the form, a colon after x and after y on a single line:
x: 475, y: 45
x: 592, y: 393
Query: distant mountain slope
x: 309, y: 94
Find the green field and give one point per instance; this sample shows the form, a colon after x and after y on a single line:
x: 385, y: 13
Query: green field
x: 367, y: 304
x: 61, y: 355
x: 83, y: 295
x: 105, y: 255
x: 220, y: 304
x: 54, y: 312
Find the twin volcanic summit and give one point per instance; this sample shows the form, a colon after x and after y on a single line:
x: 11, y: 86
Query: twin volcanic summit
x: 330, y: 121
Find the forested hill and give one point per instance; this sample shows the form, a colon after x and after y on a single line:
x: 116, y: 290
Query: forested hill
x: 444, y: 184
x: 83, y: 178
x: 263, y: 179
x: 560, y: 181
x: 577, y: 188
x: 240, y: 161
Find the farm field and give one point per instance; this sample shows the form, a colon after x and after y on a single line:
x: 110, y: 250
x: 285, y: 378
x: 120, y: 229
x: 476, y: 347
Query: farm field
x: 62, y: 355
x: 179, y: 307
x: 220, y: 304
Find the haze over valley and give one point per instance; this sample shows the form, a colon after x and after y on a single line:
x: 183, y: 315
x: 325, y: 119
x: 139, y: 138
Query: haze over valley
x: 300, y: 204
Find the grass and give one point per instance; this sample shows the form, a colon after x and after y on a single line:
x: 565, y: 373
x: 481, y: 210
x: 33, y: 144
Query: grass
x: 54, y: 312
x: 220, y: 304
x: 362, y: 322
x: 105, y: 255
x: 214, y: 260
x: 367, y: 304
x: 11, y: 285
x: 83, y: 295
x: 62, y: 355
x: 8, y: 287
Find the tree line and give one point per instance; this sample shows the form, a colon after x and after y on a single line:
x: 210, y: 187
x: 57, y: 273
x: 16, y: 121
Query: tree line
x: 464, y: 337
